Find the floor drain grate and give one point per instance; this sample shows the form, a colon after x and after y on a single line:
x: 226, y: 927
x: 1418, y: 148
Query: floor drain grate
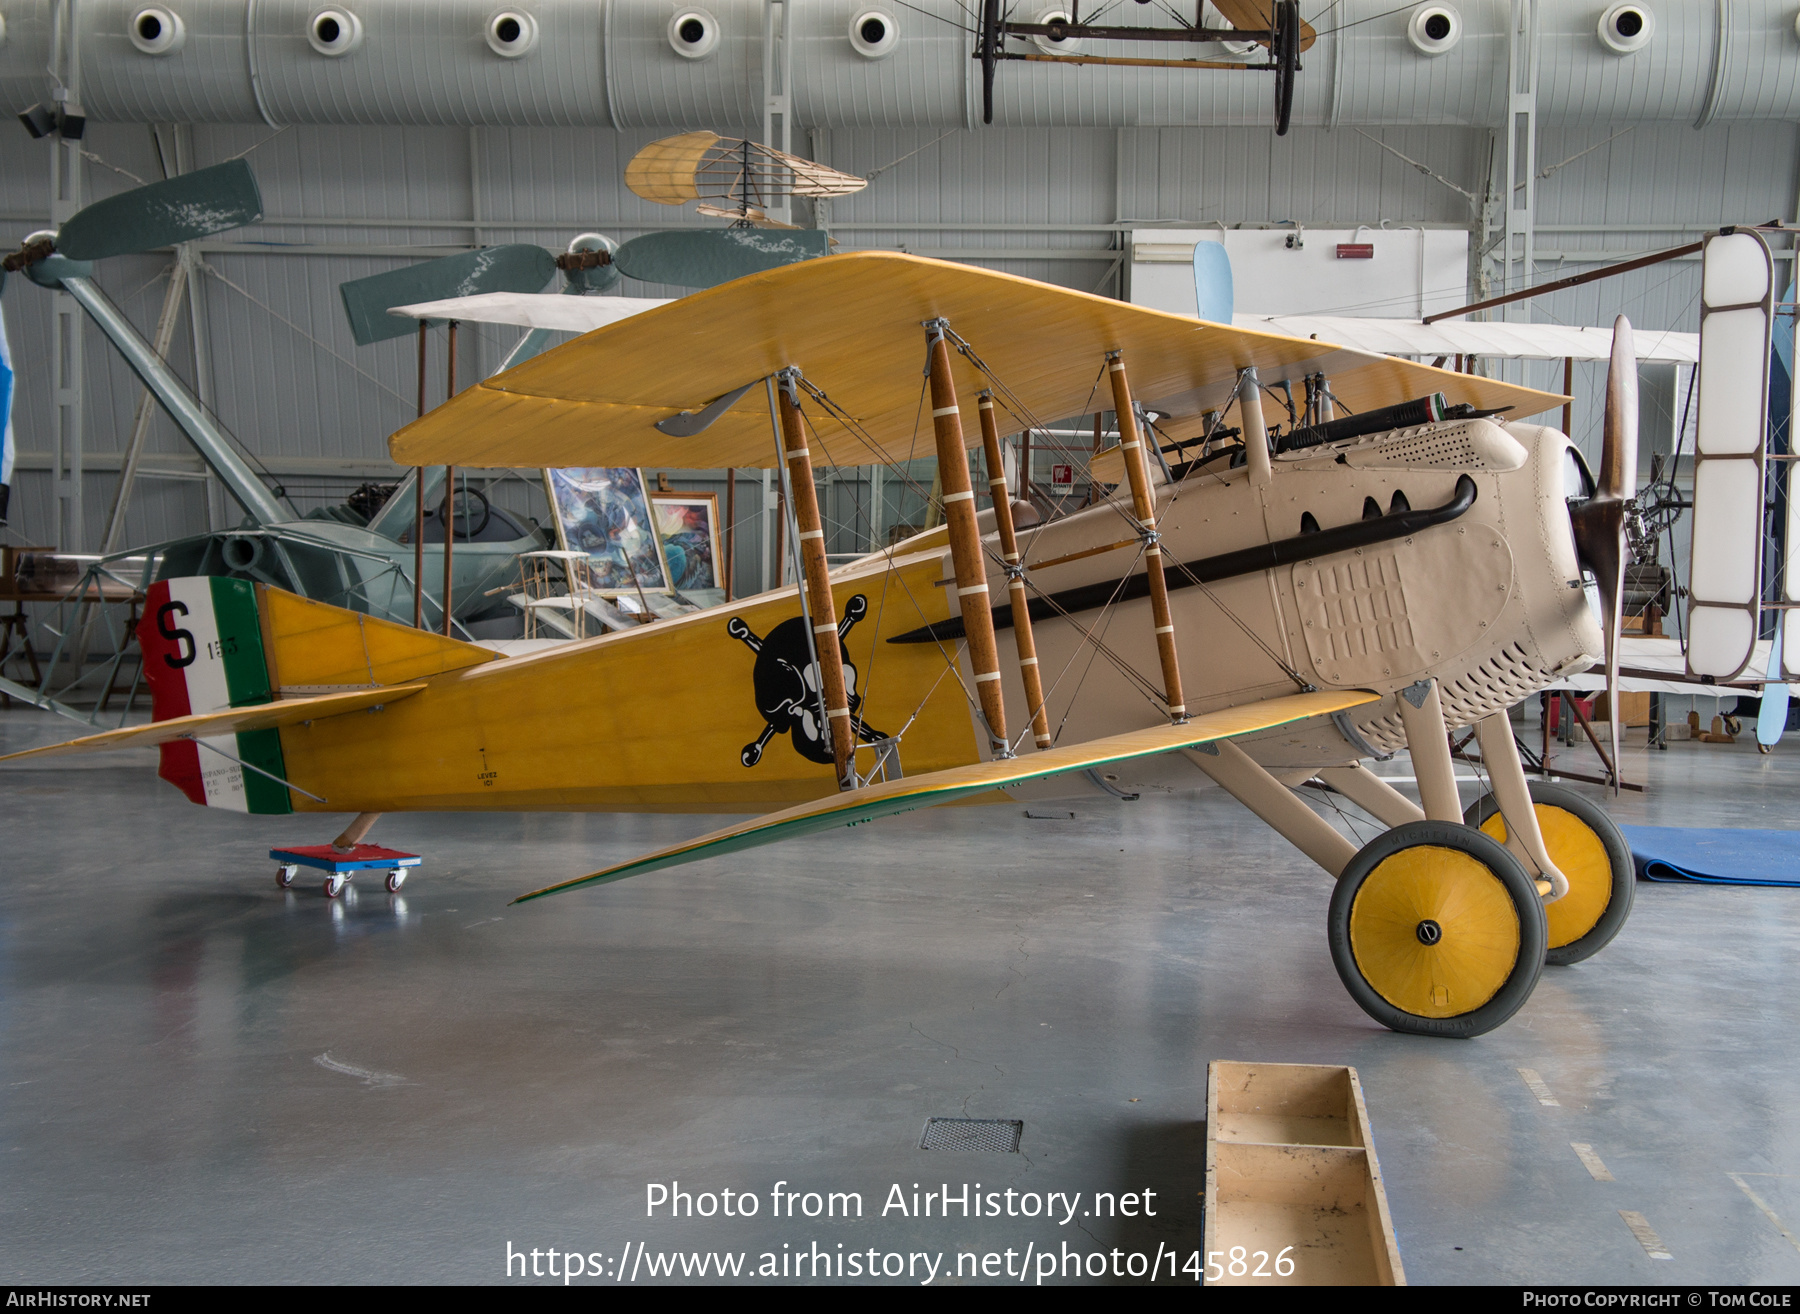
x: 986, y: 1135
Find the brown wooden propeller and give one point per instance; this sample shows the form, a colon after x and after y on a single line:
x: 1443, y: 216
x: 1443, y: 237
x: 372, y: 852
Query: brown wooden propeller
x: 1599, y: 522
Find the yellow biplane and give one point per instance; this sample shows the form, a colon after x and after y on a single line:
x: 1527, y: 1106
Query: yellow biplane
x: 1272, y: 609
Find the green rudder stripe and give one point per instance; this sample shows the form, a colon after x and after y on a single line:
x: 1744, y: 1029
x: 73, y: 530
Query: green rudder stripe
x: 240, y: 641
x: 262, y: 748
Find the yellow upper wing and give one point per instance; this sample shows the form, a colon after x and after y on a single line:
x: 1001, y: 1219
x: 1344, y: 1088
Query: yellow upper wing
x: 915, y: 792
x: 852, y: 324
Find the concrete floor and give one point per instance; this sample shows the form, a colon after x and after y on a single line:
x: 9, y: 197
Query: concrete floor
x: 203, y: 1078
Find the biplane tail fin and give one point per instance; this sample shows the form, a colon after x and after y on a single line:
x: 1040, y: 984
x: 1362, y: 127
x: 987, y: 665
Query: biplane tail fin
x: 854, y: 807
x: 229, y: 662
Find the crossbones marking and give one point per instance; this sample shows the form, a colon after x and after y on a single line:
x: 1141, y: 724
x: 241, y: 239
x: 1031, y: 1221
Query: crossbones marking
x: 786, y: 681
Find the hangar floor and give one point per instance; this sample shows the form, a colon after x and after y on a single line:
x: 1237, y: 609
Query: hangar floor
x: 205, y: 1078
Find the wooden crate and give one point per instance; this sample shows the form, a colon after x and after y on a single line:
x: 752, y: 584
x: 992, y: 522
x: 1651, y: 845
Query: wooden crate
x: 1291, y: 1175
x: 1634, y: 706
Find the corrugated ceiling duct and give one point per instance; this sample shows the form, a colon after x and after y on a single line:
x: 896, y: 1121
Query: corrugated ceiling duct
x: 1382, y: 80
x: 428, y: 62
x: 609, y: 63
x: 925, y: 82
x: 25, y: 55
x: 206, y: 80
x: 1581, y: 81
x: 650, y: 86
x: 1759, y: 86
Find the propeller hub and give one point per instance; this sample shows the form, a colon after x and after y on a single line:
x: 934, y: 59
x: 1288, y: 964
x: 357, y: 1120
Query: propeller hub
x: 37, y: 247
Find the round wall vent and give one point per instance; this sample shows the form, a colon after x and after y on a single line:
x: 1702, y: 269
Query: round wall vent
x: 1433, y: 29
x: 1053, y: 44
x: 874, y: 34
x: 334, y: 32
x: 511, y: 34
x: 1626, y: 28
x: 157, y: 31
x: 693, y: 33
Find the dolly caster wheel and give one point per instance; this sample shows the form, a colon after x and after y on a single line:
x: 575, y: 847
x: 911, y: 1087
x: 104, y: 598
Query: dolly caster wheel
x: 334, y: 886
x: 396, y: 878
x: 1765, y: 749
x: 284, y: 876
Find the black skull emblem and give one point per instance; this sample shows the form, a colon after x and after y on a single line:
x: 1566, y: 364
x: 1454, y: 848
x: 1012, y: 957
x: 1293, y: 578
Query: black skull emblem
x: 787, y: 686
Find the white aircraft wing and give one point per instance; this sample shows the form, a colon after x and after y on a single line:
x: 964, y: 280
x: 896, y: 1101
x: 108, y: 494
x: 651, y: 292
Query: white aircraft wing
x: 1408, y: 337
x: 535, y: 310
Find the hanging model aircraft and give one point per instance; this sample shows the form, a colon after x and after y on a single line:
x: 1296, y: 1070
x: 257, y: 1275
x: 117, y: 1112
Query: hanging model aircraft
x: 1057, y: 34
x: 1264, y: 615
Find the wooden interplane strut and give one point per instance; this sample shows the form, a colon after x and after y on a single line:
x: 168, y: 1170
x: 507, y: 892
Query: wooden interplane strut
x: 1143, y: 506
x: 1023, y: 638
x: 809, y: 535
x: 419, y: 506
x: 449, y: 511
x: 965, y: 538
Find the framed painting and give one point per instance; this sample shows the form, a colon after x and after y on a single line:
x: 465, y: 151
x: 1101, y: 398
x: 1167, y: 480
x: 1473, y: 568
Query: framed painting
x: 603, y: 511
x: 688, y: 525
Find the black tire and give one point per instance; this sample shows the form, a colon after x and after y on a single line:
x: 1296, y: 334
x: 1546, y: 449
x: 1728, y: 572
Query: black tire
x: 451, y: 514
x: 1284, y: 54
x: 1618, y: 855
x: 1517, y: 978
x: 988, y: 40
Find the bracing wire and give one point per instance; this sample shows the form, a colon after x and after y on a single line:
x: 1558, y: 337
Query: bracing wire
x: 838, y: 414
x: 975, y: 359
x: 1350, y: 820
x: 1018, y: 408
x: 889, y: 575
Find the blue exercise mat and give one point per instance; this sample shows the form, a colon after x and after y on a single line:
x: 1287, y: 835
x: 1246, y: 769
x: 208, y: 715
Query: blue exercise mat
x: 1715, y: 857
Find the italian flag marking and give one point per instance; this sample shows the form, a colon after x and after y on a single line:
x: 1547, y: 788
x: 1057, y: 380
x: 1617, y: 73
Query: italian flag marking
x: 203, y: 652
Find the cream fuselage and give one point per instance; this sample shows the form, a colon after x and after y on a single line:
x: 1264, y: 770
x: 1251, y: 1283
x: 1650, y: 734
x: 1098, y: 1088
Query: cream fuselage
x: 659, y: 719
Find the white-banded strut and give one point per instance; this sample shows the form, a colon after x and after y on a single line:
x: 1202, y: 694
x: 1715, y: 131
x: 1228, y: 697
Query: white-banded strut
x: 1143, y: 506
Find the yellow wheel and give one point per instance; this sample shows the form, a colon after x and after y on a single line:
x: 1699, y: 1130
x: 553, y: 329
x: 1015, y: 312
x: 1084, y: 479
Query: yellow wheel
x: 1587, y: 847
x: 1436, y: 930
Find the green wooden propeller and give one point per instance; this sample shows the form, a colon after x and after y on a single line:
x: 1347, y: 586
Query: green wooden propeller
x: 180, y: 209
x: 520, y: 267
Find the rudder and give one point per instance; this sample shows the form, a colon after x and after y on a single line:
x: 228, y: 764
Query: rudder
x: 202, y: 645
x: 211, y: 644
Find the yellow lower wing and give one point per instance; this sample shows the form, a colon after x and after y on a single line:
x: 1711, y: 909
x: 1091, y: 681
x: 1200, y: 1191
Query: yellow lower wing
x: 264, y: 716
x: 915, y: 792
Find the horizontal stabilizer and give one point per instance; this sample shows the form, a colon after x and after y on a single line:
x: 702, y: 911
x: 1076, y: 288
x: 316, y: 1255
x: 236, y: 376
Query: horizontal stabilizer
x: 266, y: 716
x: 914, y: 792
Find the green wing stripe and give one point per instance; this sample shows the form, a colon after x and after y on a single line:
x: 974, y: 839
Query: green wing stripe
x: 938, y: 787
